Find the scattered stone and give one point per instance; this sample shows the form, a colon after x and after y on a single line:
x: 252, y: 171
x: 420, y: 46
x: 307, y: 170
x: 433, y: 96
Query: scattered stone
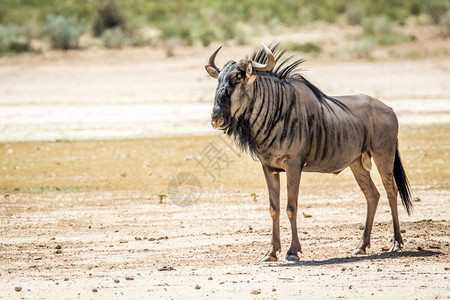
x: 137, y: 238
x: 58, y: 247
x: 152, y: 239
x: 129, y: 278
x: 379, y: 270
x: 416, y: 199
x: 210, y: 278
x: 343, y: 269
x: 94, y: 290
x: 350, y: 287
x: 38, y: 258
x: 305, y: 215
x: 124, y: 174
x: 255, y: 292
x: 116, y: 280
x: 361, y: 227
x: 274, y: 290
x: 58, y: 251
x: 446, y: 268
x: 18, y: 288
x: 385, y: 248
x: 402, y: 230
x: 420, y: 248
x: 197, y: 287
x: 434, y: 246
x: 166, y: 268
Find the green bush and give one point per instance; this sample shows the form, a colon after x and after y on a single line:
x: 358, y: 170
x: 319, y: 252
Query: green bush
x: 362, y: 48
x: 436, y: 9
x: 108, y: 17
x: 445, y: 22
x: 64, y: 33
x: 113, y: 38
x: 308, y: 47
x: 11, y: 41
x: 384, y: 31
x: 355, y: 14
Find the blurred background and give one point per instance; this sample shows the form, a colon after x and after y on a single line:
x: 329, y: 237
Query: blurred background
x: 133, y: 68
x: 73, y: 71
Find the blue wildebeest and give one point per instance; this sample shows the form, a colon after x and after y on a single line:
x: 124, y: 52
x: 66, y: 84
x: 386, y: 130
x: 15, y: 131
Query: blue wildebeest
x: 280, y: 117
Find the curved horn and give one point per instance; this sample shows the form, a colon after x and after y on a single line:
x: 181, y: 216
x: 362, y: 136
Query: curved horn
x: 270, y: 61
x: 211, y: 62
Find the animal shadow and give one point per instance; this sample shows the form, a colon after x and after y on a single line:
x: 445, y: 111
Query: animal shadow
x: 351, y: 259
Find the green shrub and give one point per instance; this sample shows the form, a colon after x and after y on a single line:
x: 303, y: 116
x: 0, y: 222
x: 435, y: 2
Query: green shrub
x: 108, y: 17
x: 384, y: 31
x: 384, y: 26
x: 64, y: 33
x: 362, y: 48
x: 355, y: 14
x: 207, y: 36
x: 308, y: 47
x: 445, y: 22
x: 113, y: 38
x: 11, y: 41
x: 244, y: 33
x: 436, y: 9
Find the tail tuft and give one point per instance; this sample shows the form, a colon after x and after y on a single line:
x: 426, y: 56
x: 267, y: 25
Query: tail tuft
x: 402, y: 183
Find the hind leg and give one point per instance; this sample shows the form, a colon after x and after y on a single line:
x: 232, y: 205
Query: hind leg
x: 385, y: 166
x: 369, y: 190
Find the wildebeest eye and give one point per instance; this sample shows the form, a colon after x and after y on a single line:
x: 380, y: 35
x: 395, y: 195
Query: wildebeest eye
x: 238, y: 79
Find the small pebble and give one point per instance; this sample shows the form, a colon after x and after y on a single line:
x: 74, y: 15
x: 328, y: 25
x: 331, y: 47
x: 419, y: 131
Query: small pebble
x: 58, y: 247
x: 379, y: 270
x: 95, y: 290
x: 446, y: 268
x: 129, y: 278
x: 197, y: 287
x: 18, y: 288
x: 210, y: 278
x: 116, y: 280
x: 255, y: 292
x: 66, y: 279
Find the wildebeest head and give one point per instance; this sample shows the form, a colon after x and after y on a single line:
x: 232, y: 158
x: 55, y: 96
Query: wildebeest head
x: 235, y: 79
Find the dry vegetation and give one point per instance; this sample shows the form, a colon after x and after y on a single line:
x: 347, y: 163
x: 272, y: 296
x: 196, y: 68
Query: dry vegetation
x: 149, y: 164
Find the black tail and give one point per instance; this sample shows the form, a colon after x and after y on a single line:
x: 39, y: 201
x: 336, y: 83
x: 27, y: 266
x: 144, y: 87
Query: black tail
x: 402, y: 183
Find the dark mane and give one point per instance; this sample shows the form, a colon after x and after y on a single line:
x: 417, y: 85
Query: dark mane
x: 288, y: 68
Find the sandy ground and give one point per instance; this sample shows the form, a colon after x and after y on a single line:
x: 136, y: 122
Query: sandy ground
x: 121, y: 243
x: 67, y: 245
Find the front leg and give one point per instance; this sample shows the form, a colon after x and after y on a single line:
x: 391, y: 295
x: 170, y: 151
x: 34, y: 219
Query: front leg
x: 273, y: 184
x: 293, y: 174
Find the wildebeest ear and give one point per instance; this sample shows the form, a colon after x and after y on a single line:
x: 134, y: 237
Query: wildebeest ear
x: 250, y: 74
x: 211, y: 71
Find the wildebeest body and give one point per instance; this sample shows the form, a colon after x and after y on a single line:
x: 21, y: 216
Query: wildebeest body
x: 277, y: 115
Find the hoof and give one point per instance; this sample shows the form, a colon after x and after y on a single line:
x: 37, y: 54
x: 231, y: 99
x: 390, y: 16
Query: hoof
x: 269, y: 258
x: 292, y: 257
x: 395, y: 248
x: 359, y: 251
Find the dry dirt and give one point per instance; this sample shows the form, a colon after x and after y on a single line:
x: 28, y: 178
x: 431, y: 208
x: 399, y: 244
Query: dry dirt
x: 82, y: 219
